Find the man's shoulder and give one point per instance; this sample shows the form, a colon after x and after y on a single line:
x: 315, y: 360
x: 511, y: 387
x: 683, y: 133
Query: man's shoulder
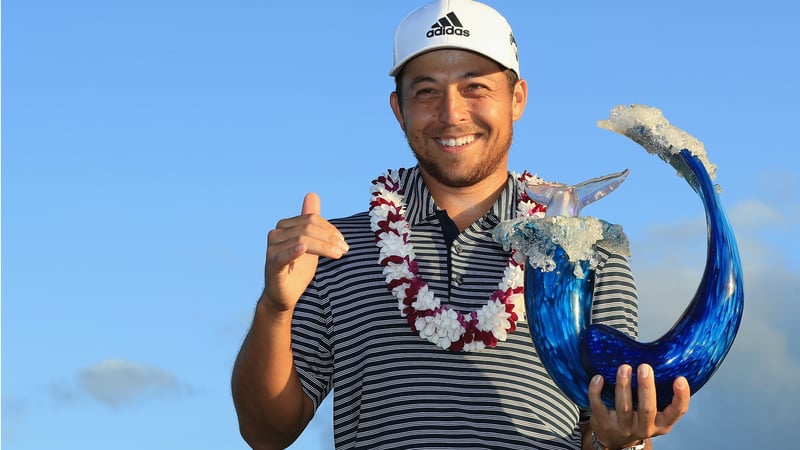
x: 357, y: 219
x: 355, y: 227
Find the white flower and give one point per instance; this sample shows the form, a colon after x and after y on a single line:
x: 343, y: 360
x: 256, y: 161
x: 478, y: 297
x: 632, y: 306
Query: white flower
x: 392, y: 197
x: 513, y: 277
x: 451, y: 326
x: 400, y: 293
x: 425, y: 326
x: 524, y: 208
x: 493, y: 317
x: 443, y: 343
x: 425, y: 300
x: 474, y: 346
x: 518, y: 300
x: 400, y: 227
x: 392, y: 244
x: 397, y: 271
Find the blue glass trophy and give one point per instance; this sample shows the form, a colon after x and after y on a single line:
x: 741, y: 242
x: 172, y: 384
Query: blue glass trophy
x: 560, y: 252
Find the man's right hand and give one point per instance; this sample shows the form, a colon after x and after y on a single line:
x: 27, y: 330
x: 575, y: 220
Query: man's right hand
x: 270, y: 402
x: 293, y: 250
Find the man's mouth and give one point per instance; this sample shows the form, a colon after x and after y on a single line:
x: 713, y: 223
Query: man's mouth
x: 456, y: 142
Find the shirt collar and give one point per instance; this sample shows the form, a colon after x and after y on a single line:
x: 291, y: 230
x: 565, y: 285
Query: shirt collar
x: 420, y: 206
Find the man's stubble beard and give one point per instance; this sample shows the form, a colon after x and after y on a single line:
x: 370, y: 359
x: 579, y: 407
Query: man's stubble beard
x: 476, y: 174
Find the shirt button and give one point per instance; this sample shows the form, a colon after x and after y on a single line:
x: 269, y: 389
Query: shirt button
x: 458, y: 279
x: 457, y: 248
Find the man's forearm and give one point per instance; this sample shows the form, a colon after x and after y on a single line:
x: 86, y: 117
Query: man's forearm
x: 270, y: 403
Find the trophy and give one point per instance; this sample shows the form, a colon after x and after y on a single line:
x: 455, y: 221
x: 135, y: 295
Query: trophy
x: 561, y: 256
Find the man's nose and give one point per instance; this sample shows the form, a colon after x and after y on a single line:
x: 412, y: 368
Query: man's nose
x: 454, y: 108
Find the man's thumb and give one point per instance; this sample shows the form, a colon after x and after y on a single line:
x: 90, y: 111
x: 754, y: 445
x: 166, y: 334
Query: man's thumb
x: 311, y: 204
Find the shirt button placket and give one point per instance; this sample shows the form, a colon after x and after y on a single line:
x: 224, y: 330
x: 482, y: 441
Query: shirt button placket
x: 458, y: 279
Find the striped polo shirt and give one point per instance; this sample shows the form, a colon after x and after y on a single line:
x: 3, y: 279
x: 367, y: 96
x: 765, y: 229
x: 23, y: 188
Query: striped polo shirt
x: 394, y: 390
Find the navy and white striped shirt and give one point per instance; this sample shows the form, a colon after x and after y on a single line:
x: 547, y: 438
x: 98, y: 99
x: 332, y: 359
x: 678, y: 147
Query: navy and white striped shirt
x: 393, y: 389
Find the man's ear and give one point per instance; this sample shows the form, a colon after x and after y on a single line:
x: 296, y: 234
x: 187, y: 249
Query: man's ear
x: 394, y: 101
x: 519, y: 99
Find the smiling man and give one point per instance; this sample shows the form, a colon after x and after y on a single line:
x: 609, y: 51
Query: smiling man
x: 407, y: 311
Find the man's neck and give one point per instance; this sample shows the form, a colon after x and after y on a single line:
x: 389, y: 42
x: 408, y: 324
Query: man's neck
x: 465, y: 205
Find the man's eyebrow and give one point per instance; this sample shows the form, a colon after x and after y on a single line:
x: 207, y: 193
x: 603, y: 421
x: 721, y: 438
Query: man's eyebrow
x: 421, y: 79
x: 429, y: 79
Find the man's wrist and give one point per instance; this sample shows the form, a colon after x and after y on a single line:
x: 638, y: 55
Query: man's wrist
x: 273, y: 311
x: 597, y: 445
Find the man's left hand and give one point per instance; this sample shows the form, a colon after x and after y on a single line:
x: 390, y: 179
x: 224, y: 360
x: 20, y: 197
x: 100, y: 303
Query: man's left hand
x: 623, y: 426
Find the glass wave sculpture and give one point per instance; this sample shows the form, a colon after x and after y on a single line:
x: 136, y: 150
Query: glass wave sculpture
x: 698, y: 342
x: 558, y: 300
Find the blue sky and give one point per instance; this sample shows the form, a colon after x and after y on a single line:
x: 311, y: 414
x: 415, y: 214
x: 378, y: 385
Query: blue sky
x: 149, y: 146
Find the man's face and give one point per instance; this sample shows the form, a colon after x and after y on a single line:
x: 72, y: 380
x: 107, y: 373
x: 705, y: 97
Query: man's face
x: 457, y: 112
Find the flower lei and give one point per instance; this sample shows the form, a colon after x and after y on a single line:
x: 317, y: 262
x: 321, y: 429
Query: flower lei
x: 439, y: 324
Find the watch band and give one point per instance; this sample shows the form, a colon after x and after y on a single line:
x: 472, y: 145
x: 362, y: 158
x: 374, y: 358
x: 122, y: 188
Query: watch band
x: 598, y: 446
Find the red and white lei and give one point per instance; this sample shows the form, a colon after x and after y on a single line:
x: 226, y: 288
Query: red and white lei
x: 426, y: 315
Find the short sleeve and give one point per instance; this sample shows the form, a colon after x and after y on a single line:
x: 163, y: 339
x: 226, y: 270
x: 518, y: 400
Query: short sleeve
x: 311, y: 344
x: 615, y: 300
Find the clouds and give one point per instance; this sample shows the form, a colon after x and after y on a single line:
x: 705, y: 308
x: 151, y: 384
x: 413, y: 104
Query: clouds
x: 75, y: 403
x: 753, y: 214
x: 116, y: 383
x: 748, y: 403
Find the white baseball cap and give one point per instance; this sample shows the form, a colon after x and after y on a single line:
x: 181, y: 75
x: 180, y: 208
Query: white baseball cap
x: 460, y: 24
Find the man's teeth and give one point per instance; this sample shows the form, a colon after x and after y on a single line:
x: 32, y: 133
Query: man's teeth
x: 455, y: 142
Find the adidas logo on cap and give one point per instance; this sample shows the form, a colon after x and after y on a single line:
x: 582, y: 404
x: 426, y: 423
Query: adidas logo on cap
x: 448, y: 25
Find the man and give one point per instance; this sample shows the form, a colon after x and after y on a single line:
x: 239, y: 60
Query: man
x: 342, y: 312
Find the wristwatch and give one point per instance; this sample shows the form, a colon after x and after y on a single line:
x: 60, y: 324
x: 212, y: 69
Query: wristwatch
x: 598, y: 446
